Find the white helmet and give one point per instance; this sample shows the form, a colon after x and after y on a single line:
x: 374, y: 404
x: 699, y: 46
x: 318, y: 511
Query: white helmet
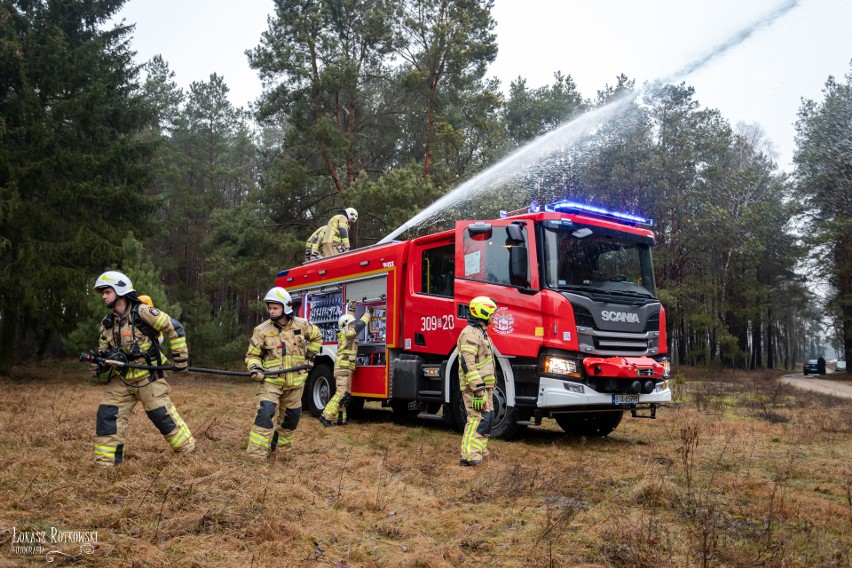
x: 115, y: 280
x: 345, y: 320
x: 352, y: 214
x: 279, y: 295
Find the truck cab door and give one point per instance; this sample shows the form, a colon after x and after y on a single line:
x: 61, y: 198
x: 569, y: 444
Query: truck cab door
x: 497, y: 259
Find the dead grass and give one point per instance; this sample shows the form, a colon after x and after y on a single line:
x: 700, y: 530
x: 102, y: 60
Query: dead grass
x: 740, y: 471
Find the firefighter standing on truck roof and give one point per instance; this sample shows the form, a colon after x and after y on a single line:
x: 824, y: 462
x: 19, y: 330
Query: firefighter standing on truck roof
x: 130, y: 333
x: 281, y: 342
x: 313, y: 244
x: 476, y: 380
x: 344, y: 366
x: 336, y: 239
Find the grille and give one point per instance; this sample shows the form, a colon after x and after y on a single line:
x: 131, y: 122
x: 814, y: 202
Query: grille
x: 583, y: 317
x: 653, y: 323
x: 604, y: 344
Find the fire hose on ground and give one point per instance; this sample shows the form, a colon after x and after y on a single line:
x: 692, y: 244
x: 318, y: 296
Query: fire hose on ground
x: 119, y: 361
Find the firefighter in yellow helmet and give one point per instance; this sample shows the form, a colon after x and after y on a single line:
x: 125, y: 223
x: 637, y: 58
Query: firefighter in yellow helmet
x: 477, y: 380
x: 344, y: 366
x: 130, y: 332
x: 336, y: 239
x: 313, y: 244
x: 281, y: 342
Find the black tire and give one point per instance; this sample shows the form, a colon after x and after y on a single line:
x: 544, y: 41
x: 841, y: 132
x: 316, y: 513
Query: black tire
x: 590, y: 423
x: 319, y: 388
x: 505, y: 426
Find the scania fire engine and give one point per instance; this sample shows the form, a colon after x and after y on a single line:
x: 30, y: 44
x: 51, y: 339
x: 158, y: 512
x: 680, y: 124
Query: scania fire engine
x: 579, y: 334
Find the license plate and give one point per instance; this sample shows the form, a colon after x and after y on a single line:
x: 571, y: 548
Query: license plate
x: 625, y: 399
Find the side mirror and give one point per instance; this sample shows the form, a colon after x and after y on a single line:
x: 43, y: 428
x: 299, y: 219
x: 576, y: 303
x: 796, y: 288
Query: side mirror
x: 519, y: 266
x: 516, y: 233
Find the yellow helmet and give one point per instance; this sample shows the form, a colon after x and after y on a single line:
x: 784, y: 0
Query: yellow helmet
x: 482, y: 307
x: 145, y: 299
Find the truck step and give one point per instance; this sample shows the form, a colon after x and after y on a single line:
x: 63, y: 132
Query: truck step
x: 528, y: 422
x: 427, y: 416
x: 634, y: 413
x: 426, y: 393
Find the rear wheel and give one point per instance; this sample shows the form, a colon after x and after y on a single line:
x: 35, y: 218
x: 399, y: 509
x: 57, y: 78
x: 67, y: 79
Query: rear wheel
x: 590, y: 423
x: 319, y: 389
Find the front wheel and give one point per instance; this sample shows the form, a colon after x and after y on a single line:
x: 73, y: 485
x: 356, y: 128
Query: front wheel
x: 504, y: 425
x: 590, y: 423
x: 319, y: 389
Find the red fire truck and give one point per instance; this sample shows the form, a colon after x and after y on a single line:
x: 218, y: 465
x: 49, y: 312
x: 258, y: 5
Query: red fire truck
x: 579, y: 334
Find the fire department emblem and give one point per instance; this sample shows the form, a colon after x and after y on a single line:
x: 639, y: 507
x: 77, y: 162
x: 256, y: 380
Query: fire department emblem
x: 503, y: 321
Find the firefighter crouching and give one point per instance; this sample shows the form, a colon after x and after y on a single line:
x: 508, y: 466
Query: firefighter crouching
x: 476, y: 380
x: 336, y: 239
x: 131, y: 332
x: 344, y: 366
x: 281, y: 342
x: 313, y: 244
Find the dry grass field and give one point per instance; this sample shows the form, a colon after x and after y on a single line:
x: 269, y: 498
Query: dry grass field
x: 739, y: 471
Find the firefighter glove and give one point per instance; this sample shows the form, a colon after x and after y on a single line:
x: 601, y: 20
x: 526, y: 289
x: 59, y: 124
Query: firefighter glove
x: 257, y: 374
x: 181, y: 365
x: 478, y: 402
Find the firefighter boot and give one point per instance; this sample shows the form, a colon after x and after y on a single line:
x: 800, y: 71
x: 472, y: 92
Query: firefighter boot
x: 342, y: 419
x: 324, y: 421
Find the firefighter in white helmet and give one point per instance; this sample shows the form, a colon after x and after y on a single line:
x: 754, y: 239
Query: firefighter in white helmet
x: 336, y: 239
x: 281, y: 342
x: 313, y: 244
x: 130, y: 333
x: 477, y: 380
x: 344, y: 366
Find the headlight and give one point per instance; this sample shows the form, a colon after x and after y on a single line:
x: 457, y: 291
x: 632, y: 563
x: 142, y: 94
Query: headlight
x: 666, y: 368
x: 559, y: 366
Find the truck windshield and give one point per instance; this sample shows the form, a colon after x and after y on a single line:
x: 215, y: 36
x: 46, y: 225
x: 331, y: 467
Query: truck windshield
x: 593, y: 261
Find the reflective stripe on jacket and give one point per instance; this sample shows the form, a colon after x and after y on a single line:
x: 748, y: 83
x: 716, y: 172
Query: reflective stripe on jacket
x: 122, y: 334
x: 347, y: 344
x: 312, y: 245
x: 337, y: 231
x: 273, y: 347
x: 476, y: 359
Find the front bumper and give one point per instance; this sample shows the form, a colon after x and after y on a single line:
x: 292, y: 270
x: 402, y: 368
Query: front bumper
x: 555, y: 393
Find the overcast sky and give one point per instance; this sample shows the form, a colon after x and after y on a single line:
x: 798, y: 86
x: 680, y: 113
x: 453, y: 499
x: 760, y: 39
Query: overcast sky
x: 760, y: 81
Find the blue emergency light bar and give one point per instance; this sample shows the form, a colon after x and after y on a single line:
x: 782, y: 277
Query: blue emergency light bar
x: 566, y: 206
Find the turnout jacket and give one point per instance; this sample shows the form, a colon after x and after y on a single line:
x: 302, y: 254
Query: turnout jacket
x: 347, y: 343
x: 136, y: 337
x: 274, y: 346
x: 476, y: 357
x: 312, y: 245
x: 337, y: 231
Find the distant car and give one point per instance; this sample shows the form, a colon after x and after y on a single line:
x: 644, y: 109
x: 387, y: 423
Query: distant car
x: 811, y: 367
x: 840, y: 367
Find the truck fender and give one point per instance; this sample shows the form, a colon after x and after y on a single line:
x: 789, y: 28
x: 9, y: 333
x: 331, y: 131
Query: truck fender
x: 505, y: 367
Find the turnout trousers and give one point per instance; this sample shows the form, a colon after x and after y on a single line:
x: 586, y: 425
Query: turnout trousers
x: 114, y: 412
x: 343, y: 386
x: 477, y: 429
x: 264, y: 436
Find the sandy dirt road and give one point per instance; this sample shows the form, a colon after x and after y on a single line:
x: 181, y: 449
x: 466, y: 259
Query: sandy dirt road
x: 826, y: 386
